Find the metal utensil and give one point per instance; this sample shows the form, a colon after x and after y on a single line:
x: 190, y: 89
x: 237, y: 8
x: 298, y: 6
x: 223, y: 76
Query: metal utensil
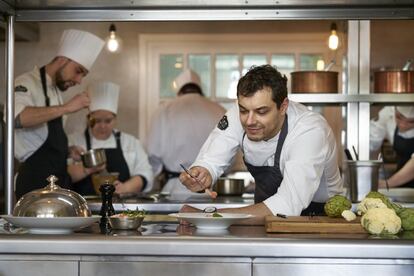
x: 355, y: 152
x: 208, y: 191
x: 348, y: 154
x: 383, y: 169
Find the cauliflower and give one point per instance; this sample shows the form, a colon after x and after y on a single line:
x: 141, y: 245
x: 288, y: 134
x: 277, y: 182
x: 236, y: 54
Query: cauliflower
x: 336, y: 205
x: 348, y: 215
x: 407, y: 218
x: 381, y: 221
x: 396, y: 207
x: 369, y: 203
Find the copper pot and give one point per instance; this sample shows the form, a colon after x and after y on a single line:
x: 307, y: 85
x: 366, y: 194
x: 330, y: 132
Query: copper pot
x: 314, y: 82
x: 395, y: 81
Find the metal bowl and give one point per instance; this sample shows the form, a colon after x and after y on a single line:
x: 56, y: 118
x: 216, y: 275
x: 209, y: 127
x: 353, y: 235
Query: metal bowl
x: 229, y: 186
x: 93, y: 158
x: 51, y: 201
x: 125, y: 223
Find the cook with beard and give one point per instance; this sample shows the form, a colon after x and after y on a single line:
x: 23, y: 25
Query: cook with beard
x: 41, y: 145
x: 289, y: 150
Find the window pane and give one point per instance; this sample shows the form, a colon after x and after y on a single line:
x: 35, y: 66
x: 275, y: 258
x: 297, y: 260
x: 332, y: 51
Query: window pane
x: 285, y: 64
x: 201, y: 65
x: 227, y: 76
x: 170, y: 67
x: 250, y: 60
x: 309, y: 61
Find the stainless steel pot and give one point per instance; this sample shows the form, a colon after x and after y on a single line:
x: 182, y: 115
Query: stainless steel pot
x: 51, y: 201
x: 229, y: 186
x: 314, y: 82
x: 93, y: 158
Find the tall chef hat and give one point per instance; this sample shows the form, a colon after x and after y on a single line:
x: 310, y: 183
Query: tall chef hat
x: 104, y: 96
x: 80, y: 46
x: 407, y: 111
x: 186, y: 77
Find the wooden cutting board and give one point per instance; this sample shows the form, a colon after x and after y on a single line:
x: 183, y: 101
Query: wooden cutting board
x: 304, y: 224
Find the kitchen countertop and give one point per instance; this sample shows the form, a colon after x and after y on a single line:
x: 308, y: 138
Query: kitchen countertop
x: 171, y: 239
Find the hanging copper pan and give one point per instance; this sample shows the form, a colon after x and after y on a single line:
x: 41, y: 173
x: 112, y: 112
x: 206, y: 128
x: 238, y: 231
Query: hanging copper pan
x: 314, y: 82
x: 396, y: 81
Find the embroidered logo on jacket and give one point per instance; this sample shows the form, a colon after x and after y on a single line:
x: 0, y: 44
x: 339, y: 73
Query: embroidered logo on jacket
x: 223, y: 123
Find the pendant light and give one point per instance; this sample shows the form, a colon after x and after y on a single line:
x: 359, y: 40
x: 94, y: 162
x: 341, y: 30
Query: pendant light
x: 113, y: 41
x: 333, y: 41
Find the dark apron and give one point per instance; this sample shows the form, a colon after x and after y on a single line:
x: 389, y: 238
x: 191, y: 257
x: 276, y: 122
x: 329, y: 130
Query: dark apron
x: 268, y: 179
x: 49, y: 159
x: 404, y: 147
x: 115, y: 162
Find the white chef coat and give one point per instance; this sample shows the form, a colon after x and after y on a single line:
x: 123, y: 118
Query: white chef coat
x: 384, y: 128
x: 178, y: 130
x: 29, y: 140
x: 134, y: 154
x: 308, y: 160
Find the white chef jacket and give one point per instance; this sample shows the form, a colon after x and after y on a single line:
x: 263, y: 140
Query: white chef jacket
x: 134, y: 154
x: 308, y: 160
x: 384, y: 128
x: 29, y: 140
x: 178, y: 130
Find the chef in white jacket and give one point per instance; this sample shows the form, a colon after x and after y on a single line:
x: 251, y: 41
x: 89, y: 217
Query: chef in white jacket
x: 396, y: 124
x: 290, y: 151
x: 41, y: 145
x: 124, y: 153
x: 179, y: 129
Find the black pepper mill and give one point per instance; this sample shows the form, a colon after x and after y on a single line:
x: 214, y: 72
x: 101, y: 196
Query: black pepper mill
x: 107, y: 210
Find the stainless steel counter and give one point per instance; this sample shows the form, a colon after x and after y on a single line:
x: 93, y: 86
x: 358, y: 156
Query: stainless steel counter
x: 170, y: 249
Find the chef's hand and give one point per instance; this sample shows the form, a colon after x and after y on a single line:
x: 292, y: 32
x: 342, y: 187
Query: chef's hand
x: 75, y: 153
x: 404, y: 124
x: 188, y: 209
x: 93, y: 170
x: 78, y: 102
x: 200, y: 181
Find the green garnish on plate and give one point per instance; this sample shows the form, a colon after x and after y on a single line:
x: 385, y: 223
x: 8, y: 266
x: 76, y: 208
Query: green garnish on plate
x: 217, y: 215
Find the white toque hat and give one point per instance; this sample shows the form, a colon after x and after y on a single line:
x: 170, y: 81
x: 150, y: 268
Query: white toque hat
x: 186, y: 77
x: 80, y: 46
x: 104, y: 96
x: 407, y: 111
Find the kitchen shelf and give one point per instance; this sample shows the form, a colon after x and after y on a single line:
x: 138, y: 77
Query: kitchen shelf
x: 343, y: 99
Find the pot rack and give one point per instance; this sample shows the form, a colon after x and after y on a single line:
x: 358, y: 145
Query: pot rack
x: 358, y: 12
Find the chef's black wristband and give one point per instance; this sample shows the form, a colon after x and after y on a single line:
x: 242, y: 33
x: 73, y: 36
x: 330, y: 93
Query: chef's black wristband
x: 144, y: 182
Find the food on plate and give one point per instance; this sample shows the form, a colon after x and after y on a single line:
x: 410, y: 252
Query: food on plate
x: 130, y: 214
x: 381, y: 221
x: 407, y: 218
x: 348, y: 215
x: 336, y: 205
x: 217, y: 215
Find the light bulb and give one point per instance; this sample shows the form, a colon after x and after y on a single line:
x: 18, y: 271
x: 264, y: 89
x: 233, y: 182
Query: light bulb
x: 333, y: 41
x: 112, y: 44
x: 320, y: 65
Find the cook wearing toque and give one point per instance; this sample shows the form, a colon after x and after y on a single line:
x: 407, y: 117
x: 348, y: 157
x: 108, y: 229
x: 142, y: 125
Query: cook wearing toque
x: 41, y: 145
x: 396, y: 124
x: 289, y: 150
x: 179, y: 129
x: 124, y: 153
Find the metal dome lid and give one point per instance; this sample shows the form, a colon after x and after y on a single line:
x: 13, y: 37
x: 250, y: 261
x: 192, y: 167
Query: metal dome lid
x: 52, y: 201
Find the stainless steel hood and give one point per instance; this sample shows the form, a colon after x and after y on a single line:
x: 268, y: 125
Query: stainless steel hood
x: 205, y: 10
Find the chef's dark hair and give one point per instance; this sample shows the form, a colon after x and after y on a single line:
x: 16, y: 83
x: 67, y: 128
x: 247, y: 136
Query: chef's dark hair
x: 190, y: 88
x: 259, y: 77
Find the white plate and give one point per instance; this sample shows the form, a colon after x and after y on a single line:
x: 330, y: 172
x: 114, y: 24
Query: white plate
x: 208, y: 222
x: 60, y: 225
